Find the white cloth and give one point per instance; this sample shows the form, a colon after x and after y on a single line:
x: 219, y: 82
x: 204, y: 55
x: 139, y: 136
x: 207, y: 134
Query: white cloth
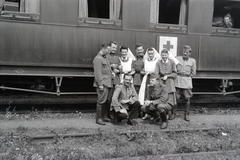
x: 130, y: 55
x: 149, y: 67
x: 156, y: 54
x: 141, y: 95
x: 126, y: 67
x: 173, y: 58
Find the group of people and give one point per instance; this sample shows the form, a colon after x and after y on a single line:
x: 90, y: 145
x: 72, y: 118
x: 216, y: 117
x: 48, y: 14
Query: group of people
x: 149, y: 83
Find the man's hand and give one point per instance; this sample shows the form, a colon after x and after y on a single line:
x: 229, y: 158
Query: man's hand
x: 165, y: 78
x: 113, y: 75
x: 116, y: 71
x: 147, y: 102
x: 125, y: 101
x: 101, y: 88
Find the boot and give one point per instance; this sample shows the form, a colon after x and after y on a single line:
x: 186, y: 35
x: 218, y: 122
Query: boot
x: 187, y: 109
x: 99, y: 115
x: 173, y: 114
x: 106, y: 112
x: 164, y: 124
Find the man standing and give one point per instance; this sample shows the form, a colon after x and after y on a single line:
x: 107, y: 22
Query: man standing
x: 114, y: 61
x: 185, y: 70
x: 102, y: 81
x: 138, y: 66
x: 157, y: 101
x: 125, y: 101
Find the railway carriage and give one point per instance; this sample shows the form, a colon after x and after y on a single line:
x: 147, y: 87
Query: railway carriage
x: 47, y: 46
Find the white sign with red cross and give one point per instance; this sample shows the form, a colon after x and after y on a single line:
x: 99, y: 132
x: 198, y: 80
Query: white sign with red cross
x: 169, y: 43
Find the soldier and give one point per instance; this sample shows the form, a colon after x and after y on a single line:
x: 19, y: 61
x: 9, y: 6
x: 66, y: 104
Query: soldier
x: 157, y: 103
x: 138, y: 66
x: 225, y: 23
x: 114, y: 61
x: 125, y: 102
x: 103, y: 82
x: 186, y: 68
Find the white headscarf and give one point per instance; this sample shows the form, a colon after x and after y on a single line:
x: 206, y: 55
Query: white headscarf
x: 171, y: 56
x: 130, y: 55
x: 156, y: 54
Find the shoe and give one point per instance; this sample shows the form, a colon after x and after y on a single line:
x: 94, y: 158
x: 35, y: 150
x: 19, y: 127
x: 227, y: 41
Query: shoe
x: 145, y: 117
x: 156, y: 119
x: 106, y: 119
x: 131, y: 122
x: 164, y: 125
x: 116, y: 121
x: 172, y: 116
x: 100, y: 121
x: 186, y: 117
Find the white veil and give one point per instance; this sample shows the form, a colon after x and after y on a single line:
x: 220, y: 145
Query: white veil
x: 156, y: 54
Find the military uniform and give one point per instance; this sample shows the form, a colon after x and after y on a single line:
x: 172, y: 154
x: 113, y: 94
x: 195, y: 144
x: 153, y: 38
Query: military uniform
x: 185, y: 70
x: 102, y: 77
x: 160, y: 102
x: 123, y: 92
x: 138, y: 66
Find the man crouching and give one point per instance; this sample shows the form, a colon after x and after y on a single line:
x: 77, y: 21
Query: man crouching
x: 125, y: 104
x: 157, y: 101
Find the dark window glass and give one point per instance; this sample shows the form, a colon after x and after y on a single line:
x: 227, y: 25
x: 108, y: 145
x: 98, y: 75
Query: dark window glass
x: 98, y: 9
x: 169, y: 11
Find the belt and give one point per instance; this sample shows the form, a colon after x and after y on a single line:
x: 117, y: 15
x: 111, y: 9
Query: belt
x: 183, y: 75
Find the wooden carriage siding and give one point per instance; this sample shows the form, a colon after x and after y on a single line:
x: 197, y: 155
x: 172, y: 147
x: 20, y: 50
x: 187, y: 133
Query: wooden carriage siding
x: 59, y: 38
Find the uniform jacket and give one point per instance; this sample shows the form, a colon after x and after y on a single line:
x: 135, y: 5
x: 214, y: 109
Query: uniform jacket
x: 158, y: 94
x: 102, y: 72
x: 138, y: 66
x: 121, y: 92
x: 185, y: 70
x: 114, y: 59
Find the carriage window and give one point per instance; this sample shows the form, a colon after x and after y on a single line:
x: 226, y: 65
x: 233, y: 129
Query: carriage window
x: 167, y: 14
x: 106, y: 12
x: 226, y: 14
x: 28, y: 10
x: 169, y: 11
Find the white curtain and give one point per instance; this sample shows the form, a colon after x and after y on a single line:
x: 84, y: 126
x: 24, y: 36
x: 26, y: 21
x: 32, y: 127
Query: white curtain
x: 183, y: 13
x: 154, y: 11
x: 30, y: 6
x: 1, y: 5
x: 115, y: 9
x: 83, y: 8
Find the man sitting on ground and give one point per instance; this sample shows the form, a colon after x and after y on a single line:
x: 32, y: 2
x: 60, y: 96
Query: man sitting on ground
x: 157, y: 103
x: 125, y: 102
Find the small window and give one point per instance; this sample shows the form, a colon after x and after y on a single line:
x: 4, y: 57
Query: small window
x: 98, y: 9
x: 226, y: 14
x: 169, y: 14
x: 104, y: 12
x: 169, y: 11
x: 27, y: 10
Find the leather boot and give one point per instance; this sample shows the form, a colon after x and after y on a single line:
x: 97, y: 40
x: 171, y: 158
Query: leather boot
x: 187, y: 109
x: 99, y: 115
x: 164, y: 124
x: 173, y: 112
x: 106, y: 113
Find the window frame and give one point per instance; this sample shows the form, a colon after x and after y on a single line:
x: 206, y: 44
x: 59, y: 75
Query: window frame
x: 166, y: 27
x: 99, y: 22
x: 20, y: 16
x: 224, y: 31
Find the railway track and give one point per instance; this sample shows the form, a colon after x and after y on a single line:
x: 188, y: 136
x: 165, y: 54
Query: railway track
x: 54, y: 138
